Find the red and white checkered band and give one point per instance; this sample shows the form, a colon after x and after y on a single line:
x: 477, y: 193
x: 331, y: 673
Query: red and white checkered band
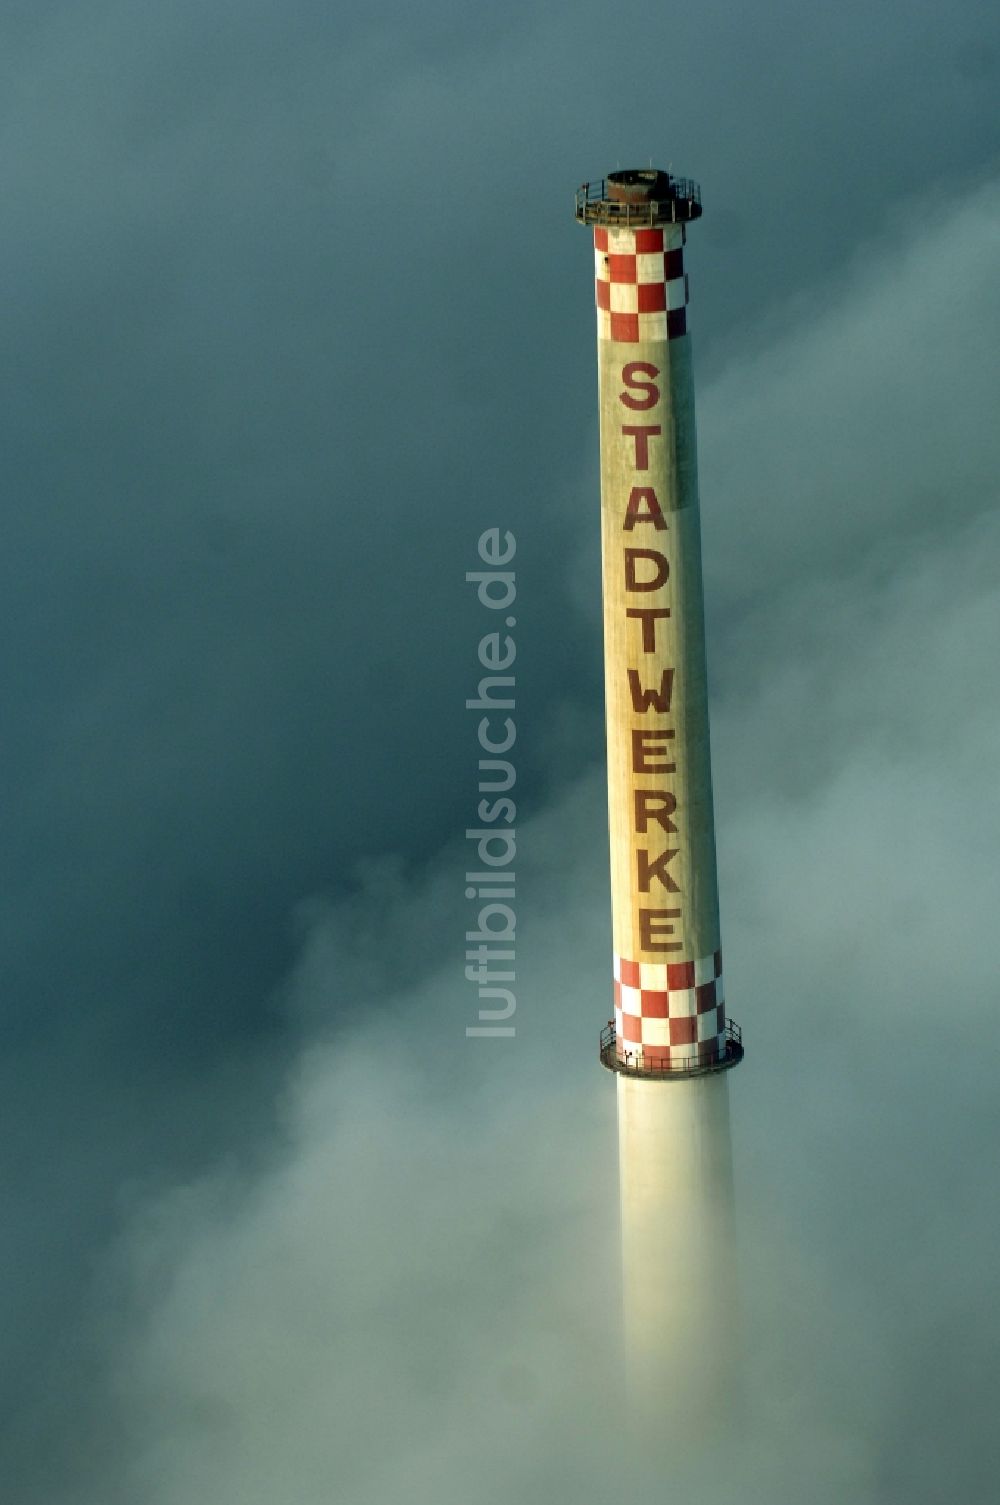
x: 670, y: 1013
x: 642, y: 289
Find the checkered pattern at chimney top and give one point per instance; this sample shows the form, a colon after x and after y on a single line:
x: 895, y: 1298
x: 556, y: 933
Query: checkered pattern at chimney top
x: 641, y: 285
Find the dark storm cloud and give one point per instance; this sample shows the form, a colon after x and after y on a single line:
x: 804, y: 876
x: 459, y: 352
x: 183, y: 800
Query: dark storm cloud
x: 439, y: 1239
x: 430, y: 1227
x: 293, y: 309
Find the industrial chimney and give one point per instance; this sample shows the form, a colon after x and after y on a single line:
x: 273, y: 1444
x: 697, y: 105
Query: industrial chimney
x: 670, y: 1041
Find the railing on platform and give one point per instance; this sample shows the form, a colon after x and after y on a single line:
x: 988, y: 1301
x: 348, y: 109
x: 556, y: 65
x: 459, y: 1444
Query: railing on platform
x: 680, y: 199
x: 633, y: 1064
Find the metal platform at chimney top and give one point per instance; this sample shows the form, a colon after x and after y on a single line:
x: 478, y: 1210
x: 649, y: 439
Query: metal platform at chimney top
x: 610, y: 1058
x: 638, y: 197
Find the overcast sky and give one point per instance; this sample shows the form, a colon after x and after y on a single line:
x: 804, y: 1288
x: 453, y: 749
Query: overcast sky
x: 294, y: 308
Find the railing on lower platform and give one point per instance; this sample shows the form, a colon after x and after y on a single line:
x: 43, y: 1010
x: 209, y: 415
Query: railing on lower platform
x: 633, y: 1064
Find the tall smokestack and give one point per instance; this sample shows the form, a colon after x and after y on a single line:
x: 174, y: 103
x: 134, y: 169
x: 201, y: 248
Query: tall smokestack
x: 670, y: 1042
